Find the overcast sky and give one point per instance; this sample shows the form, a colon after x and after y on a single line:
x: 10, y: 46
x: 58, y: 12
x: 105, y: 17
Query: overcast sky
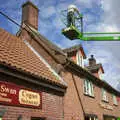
x: 99, y: 16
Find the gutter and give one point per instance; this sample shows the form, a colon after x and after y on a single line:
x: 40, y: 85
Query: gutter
x: 32, y: 79
x: 97, y: 81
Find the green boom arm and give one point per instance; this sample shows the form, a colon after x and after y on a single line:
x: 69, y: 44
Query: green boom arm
x: 73, y: 33
x: 101, y: 38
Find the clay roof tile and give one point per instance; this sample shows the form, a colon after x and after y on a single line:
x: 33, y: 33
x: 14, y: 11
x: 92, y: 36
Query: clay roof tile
x: 14, y: 52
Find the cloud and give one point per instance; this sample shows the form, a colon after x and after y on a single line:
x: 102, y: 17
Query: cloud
x: 110, y: 20
x: 111, y: 12
x: 47, y: 12
x: 85, y: 3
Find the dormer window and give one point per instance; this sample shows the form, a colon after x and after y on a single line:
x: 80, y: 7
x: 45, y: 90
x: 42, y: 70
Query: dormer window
x: 76, y: 54
x: 79, y: 59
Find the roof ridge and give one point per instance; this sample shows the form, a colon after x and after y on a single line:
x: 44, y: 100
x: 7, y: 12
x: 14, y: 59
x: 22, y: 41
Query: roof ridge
x: 54, y: 46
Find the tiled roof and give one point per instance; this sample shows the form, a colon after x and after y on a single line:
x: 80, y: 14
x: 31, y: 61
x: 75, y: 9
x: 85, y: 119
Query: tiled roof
x: 15, y: 53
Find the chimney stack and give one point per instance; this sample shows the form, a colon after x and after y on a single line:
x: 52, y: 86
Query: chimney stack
x: 92, y: 61
x: 30, y: 14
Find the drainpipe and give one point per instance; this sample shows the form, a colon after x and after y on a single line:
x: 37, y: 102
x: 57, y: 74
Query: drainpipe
x: 78, y: 94
x: 75, y: 84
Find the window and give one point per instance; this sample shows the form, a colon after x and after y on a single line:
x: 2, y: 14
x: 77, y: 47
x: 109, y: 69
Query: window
x: 100, y: 74
x: 91, y: 117
x: 88, y: 88
x: 0, y: 118
x: 104, y: 95
x: 115, y: 100
x: 36, y: 118
x: 79, y: 58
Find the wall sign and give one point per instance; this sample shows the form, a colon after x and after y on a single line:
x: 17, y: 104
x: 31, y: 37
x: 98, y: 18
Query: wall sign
x: 105, y: 106
x: 12, y: 94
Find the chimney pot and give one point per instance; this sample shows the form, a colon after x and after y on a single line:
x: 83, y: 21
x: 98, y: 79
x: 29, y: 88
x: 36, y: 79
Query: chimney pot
x: 92, y: 56
x: 92, y: 61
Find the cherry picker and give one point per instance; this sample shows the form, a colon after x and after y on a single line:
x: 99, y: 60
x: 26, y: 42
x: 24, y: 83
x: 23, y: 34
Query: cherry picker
x: 73, y: 20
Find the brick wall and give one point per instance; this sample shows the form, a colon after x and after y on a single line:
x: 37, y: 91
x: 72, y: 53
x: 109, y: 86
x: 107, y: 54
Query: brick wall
x: 72, y: 106
x: 52, y: 104
x: 52, y: 109
x: 91, y: 105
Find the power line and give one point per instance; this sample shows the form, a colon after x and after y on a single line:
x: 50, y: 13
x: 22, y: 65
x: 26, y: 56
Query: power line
x: 6, y: 16
x: 10, y: 19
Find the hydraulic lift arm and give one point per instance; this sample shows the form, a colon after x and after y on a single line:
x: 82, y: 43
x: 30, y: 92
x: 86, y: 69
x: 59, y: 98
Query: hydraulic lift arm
x: 72, y: 32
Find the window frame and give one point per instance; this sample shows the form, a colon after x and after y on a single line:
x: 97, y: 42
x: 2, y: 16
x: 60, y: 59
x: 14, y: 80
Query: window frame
x: 100, y: 74
x: 88, y: 88
x: 114, y: 97
x: 104, y: 95
x: 79, y: 59
x: 91, y: 116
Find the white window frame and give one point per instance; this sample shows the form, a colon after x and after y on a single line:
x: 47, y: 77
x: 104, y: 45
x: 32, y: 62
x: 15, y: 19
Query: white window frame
x: 79, y: 59
x: 100, y: 74
x: 104, y: 95
x: 114, y: 100
x: 88, y: 88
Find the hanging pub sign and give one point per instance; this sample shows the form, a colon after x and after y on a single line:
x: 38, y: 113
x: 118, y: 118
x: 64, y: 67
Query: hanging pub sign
x: 11, y: 94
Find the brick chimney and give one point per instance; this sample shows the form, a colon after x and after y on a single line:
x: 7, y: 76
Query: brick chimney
x: 92, y: 61
x: 96, y: 69
x: 30, y: 14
